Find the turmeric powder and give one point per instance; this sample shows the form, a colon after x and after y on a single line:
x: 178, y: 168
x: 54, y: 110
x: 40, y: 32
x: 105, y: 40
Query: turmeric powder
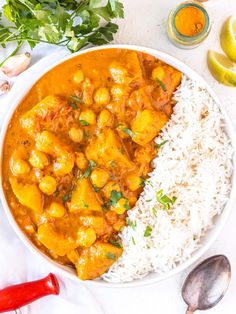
x: 190, y: 21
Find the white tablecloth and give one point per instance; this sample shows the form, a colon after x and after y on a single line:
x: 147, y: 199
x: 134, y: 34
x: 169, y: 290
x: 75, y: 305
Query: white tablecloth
x: 144, y: 24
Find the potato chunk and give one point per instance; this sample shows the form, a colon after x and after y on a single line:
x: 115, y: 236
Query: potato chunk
x: 147, y: 125
x: 107, y: 150
x: 28, y: 195
x: 98, y: 223
x: 56, y: 242
x: 48, y: 143
x: 96, y: 260
x: 84, y: 197
x: 34, y: 118
x: 86, y: 236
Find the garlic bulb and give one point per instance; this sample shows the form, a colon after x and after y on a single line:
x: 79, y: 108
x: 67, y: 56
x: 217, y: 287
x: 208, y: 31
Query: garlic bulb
x: 16, y: 64
x: 4, y: 87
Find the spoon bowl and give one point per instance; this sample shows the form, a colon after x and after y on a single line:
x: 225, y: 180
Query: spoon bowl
x: 206, y: 284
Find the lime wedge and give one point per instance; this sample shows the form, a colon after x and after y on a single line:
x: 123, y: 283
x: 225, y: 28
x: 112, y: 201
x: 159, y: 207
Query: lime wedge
x: 228, y: 38
x: 222, y: 68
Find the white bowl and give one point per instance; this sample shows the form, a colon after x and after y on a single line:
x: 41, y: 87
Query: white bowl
x: 211, y: 235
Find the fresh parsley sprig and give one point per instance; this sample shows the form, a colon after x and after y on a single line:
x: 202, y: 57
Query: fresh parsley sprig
x: 70, y: 23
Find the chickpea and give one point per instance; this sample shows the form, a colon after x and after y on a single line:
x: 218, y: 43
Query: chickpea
x: 86, y: 236
x: 87, y: 116
x: 133, y: 181
x: 81, y: 161
x: 78, y: 77
x: 48, y: 185
x: 99, y: 177
x: 109, y: 187
x: 76, y: 135
x: 56, y: 210
x: 102, y: 96
x: 20, y: 167
x: 158, y: 73
x: 105, y: 119
x: 117, y: 92
x: 38, y: 159
x: 121, y: 206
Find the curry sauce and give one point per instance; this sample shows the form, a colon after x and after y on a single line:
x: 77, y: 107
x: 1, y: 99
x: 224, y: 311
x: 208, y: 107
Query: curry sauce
x: 78, y: 150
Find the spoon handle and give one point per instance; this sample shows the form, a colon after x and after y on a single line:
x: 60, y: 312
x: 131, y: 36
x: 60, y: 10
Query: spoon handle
x: 190, y: 311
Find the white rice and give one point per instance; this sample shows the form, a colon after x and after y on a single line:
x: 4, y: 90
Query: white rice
x: 195, y: 165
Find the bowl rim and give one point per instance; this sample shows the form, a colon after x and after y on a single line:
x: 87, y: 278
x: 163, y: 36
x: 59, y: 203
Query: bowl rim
x: 154, y: 277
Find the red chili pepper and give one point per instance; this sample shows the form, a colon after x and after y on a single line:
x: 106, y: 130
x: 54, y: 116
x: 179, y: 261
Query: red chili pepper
x: 14, y: 297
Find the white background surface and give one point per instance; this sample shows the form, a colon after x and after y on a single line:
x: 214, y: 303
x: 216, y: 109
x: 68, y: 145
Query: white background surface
x: 144, y: 24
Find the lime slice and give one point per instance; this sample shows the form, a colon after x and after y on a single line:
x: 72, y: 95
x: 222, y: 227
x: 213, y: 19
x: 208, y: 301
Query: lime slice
x: 222, y: 68
x: 228, y: 38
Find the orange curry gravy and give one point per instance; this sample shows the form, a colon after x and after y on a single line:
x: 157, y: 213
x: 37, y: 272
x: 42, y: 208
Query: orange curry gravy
x: 78, y: 150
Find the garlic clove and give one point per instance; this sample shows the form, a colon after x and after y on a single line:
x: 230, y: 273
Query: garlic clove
x: 4, y: 87
x: 16, y: 64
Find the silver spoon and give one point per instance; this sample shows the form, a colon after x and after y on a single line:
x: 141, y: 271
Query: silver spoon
x: 206, y: 285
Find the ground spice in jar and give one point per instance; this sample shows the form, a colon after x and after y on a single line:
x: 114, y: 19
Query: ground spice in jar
x: 190, y: 21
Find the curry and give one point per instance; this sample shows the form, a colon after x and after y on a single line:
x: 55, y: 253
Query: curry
x: 78, y: 150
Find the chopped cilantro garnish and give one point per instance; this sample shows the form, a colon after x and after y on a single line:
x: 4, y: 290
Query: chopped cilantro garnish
x: 126, y: 206
x: 75, y: 98
x: 83, y: 123
x: 161, y: 144
x: 154, y: 211
x: 127, y: 131
x: 110, y: 255
x: 148, y: 231
x: 142, y: 183
x: 96, y: 189
x: 92, y: 165
x: 66, y: 198
x: 165, y: 200
x: 134, y: 243
x: 114, y: 197
x: 161, y: 84
x: 132, y: 224
x: 105, y: 207
x: 73, y: 105
x: 115, y: 243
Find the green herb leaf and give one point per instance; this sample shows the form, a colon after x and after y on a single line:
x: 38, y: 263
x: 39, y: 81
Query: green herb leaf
x: 127, y: 131
x: 110, y: 255
x: 83, y: 123
x: 114, y: 198
x: 66, y: 198
x: 165, y: 200
x: 134, y: 243
x: 115, y: 243
x: 132, y: 224
x: 126, y: 205
x: 69, y: 23
x: 142, y: 183
x: 161, y: 144
x: 148, y: 231
x: 92, y: 165
x: 105, y: 207
x: 161, y: 84
x: 73, y: 105
x: 96, y: 189
x: 75, y: 98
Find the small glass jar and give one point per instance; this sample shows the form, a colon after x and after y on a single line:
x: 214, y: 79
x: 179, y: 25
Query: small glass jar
x: 183, y: 41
